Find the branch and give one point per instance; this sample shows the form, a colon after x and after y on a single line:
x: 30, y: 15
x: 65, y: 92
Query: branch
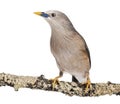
x: 69, y: 88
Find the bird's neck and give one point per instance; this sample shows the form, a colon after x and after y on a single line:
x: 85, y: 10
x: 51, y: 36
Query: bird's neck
x: 61, y: 31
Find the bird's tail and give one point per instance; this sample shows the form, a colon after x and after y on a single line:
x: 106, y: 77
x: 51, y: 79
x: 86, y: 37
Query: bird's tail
x: 74, y: 79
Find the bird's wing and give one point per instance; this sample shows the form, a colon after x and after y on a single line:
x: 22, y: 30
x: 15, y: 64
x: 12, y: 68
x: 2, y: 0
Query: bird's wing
x: 86, y: 48
x: 88, y: 53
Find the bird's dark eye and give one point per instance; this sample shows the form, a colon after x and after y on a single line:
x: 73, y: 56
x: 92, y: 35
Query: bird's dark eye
x: 53, y: 14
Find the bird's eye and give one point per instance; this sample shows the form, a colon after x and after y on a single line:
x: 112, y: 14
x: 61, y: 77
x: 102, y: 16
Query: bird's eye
x: 53, y: 14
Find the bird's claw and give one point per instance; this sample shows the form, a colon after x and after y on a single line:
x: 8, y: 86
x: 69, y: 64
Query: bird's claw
x: 87, y: 85
x: 54, y: 82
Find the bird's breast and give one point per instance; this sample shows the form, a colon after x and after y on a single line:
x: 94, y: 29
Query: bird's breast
x: 60, y: 46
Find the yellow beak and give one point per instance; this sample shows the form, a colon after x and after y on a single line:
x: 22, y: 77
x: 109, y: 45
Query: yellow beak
x: 38, y: 13
x: 43, y: 14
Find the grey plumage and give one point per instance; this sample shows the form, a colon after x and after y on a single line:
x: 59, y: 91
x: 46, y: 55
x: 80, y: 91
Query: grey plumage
x: 68, y: 47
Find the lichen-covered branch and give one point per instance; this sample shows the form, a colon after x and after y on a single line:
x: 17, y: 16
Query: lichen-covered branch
x: 69, y: 88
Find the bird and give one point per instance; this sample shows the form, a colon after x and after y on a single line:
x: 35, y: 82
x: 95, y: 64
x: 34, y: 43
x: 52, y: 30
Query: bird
x: 68, y: 47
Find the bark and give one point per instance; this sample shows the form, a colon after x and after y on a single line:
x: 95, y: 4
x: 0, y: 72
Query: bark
x: 69, y: 88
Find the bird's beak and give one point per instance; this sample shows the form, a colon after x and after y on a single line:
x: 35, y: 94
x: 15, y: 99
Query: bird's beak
x: 43, y: 14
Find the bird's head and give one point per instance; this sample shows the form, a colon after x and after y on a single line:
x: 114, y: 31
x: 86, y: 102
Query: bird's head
x: 56, y: 19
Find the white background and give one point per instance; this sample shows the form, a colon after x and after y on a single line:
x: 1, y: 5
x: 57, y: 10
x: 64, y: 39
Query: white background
x: 24, y: 46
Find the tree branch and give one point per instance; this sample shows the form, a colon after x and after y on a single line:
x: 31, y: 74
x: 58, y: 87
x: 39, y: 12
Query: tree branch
x: 69, y: 88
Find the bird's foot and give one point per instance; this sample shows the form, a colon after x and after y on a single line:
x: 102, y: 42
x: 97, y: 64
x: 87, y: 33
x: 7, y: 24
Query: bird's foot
x: 54, y: 82
x: 88, y: 83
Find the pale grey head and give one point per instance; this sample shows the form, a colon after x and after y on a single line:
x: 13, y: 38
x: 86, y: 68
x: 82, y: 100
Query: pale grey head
x: 56, y: 19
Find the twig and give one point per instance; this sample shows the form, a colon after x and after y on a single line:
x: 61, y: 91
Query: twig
x: 69, y: 88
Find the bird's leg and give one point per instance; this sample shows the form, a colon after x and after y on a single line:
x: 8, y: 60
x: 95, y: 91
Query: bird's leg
x: 87, y: 84
x: 55, y: 80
